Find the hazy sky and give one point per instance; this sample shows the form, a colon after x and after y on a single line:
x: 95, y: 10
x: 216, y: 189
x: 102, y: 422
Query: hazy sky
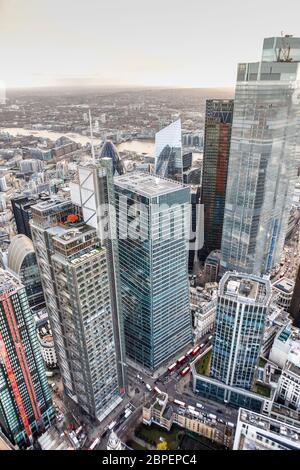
x: 189, y: 43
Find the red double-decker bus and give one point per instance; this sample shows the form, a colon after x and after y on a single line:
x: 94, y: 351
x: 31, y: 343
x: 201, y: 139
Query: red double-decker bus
x: 196, y: 351
x: 185, y: 371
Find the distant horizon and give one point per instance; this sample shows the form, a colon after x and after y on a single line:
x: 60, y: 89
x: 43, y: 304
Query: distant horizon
x: 75, y: 89
x: 135, y: 43
x: 120, y: 87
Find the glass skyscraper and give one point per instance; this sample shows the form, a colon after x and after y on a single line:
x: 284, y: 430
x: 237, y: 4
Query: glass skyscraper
x: 168, y: 152
x: 264, y: 158
x: 242, y: 307
x: 108, y: 150
x: 218, y: 121
x: 153, y: 222
x: 25, y: 402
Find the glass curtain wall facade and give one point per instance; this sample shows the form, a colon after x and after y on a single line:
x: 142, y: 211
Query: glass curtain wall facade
x: 168, y: 152
x: 242, y: 308
x: 108, y: 150
x: 25, y: 401
x: 153, y: 266
x: 263, y: 162
x: 218, y: 121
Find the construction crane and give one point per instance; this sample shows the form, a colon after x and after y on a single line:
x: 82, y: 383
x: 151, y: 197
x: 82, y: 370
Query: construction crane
x: 285, y: 49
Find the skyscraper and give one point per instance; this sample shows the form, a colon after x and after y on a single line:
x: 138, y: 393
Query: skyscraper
x: 25, y: 401
x: 83, y: 293
x: 264, y: 157
x: 21, y: 206
x: 168, y: 152
x: 153, y: 224
x: 74, y: 273
x: 218, y: 121
x: 93, y: 193
x: 243, y: 302
x: 21, y: 209
x: 108, y: 150
x: 22, y: 261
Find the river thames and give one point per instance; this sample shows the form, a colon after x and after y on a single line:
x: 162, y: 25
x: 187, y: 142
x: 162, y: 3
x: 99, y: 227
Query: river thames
x: 139, y: 146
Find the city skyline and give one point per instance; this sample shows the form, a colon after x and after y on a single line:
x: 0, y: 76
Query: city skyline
x: 129, y: 44
x: 149, y: 234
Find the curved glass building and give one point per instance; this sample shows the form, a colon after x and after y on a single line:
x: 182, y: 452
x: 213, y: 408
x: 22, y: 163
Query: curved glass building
x: 108, y: 150
x: 21, y: 259
x: 168, y: 152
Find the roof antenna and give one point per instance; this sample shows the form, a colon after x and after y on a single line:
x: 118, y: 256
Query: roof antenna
x: 91, y: 134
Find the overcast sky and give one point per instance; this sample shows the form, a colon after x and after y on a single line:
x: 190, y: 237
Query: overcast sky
x: 186, y: 43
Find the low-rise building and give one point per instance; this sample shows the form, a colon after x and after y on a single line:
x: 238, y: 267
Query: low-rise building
x: 277, y: 319
x: 288, y: 390
x: 54, y: 440
x: 164, y: 413
x: 203, y: 308
x: 258, y: 432
x: 46, y: 342
x: 284, y: 288
x: 282, y: 346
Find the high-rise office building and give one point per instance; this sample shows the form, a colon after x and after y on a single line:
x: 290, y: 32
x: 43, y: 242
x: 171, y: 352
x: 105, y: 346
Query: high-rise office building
x: 168, y: 152
x: 264, y: 158
x: 243, y: 302
x: 218, y: 122
x: 25, y: 401
x: 83, y: 293
x: 21, y: 260
x: 21, y: 209
x: 22, y: 213
x: 153, y: 221
x: 74, y: 272
x: 93, y: 192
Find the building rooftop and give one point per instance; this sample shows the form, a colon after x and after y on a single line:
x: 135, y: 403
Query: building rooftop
x: 247, y: 288
x: 53, y: 440
x: 268, y: 424
x: 146, y: 184
x: 51, y: 205
x: 8, y: 282
x: 284, y: 335
x: 286, y: 285
x: 5, y: 444
x: 293, y: 363
x: 67, y: 234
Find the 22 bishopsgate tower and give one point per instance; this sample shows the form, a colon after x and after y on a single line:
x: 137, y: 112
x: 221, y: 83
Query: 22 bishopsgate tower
x: 264, y: 157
